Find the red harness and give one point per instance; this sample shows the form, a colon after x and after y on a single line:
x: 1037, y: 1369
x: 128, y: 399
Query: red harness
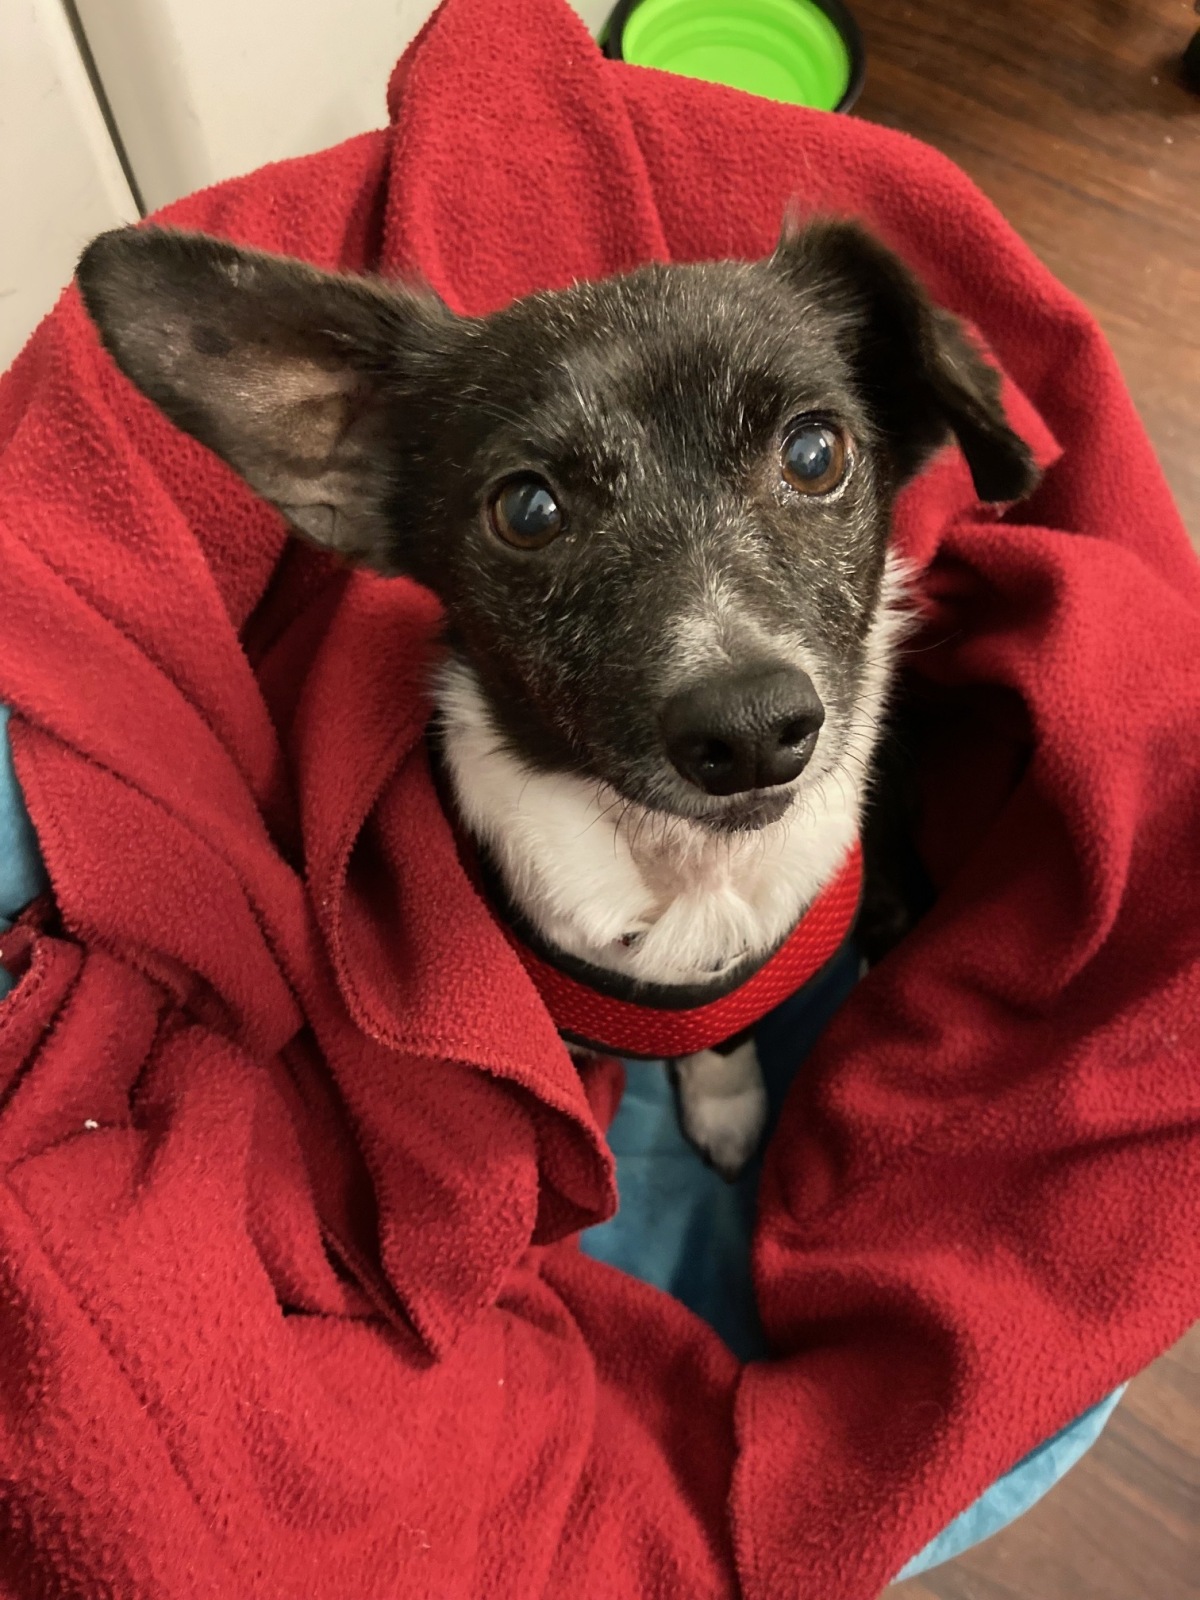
x: 625, y: 1027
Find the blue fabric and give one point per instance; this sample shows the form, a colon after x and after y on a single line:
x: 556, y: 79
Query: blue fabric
x: 684, y: 1229
x: 1011, y: 1496
x: 22, y: 877
x: 680, y: 1226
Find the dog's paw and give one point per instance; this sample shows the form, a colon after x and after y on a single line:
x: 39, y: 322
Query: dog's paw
x: 722, y: 1105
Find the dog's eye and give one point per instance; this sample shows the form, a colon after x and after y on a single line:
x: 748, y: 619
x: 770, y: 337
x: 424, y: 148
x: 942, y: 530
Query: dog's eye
x: 814, y: 456
x: 523, y: 512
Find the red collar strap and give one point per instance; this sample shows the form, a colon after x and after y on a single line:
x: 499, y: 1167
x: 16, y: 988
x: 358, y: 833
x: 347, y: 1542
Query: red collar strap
x: 615, y: 1015
x: 616, y: 1024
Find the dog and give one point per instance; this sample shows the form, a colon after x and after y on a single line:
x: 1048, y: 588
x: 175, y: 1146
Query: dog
x: 656, y: 510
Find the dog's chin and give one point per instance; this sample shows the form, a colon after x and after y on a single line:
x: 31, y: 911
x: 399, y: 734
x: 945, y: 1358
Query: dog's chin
x: 744, y: 813
x: 750, y: 813
x: 717, y: 814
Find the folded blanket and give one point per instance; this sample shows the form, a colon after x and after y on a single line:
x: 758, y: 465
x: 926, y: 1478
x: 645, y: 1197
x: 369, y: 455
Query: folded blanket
x: 293, y: 1158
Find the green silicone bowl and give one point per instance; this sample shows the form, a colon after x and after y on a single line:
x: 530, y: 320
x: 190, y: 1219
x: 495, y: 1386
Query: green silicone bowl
x: 807, y: 52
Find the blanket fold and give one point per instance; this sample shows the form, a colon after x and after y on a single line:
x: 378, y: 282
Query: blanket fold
x: 293, y: 1157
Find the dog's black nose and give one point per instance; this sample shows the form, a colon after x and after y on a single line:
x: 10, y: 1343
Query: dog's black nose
x: 753, y: 729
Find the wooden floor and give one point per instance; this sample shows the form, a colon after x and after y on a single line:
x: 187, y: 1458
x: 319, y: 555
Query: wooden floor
x: 1124, y: 1525
x: 1069, y: 115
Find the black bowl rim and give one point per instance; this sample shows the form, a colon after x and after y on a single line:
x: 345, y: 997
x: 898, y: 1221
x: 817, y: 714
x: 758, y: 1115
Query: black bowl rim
x: 842, y: 19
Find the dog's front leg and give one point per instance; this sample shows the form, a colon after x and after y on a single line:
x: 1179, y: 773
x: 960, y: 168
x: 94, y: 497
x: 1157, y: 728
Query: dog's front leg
x: 722, y: 1104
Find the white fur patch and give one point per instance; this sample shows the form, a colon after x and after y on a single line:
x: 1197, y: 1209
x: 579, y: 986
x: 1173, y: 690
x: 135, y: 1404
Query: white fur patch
x: 588, y: 869
x: 722, y: 1105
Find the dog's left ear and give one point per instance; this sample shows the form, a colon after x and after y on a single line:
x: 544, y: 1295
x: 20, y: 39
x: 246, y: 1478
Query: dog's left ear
x: 309, y: 384
x: 922, y: 376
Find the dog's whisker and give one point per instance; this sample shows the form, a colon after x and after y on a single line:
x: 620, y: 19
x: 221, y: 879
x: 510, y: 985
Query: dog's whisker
x: 905, y: 650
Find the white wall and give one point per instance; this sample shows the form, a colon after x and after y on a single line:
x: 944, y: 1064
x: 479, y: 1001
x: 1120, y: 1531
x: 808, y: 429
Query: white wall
x: 60, y: 181
x: 199, y: 90
x: 204, y: 89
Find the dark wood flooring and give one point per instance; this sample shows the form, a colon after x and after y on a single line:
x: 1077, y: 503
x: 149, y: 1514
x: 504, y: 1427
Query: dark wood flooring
x: 1124, y: 1525
x: 1069, y: 114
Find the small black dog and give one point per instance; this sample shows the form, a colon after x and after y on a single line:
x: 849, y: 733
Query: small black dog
x: 656, y: 509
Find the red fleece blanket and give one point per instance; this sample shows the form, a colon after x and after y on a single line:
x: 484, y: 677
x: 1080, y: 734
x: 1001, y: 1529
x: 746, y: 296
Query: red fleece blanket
x: 292, y: 1155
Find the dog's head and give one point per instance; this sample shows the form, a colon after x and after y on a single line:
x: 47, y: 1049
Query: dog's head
x: 655, y: 508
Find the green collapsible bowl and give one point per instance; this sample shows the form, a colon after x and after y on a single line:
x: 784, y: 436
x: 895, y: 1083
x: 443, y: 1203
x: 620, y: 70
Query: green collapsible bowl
x: 805, y: 52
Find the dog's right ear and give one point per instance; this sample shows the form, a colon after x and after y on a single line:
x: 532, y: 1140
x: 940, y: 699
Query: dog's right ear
x: 299, y: 379
x: 919, y: 369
